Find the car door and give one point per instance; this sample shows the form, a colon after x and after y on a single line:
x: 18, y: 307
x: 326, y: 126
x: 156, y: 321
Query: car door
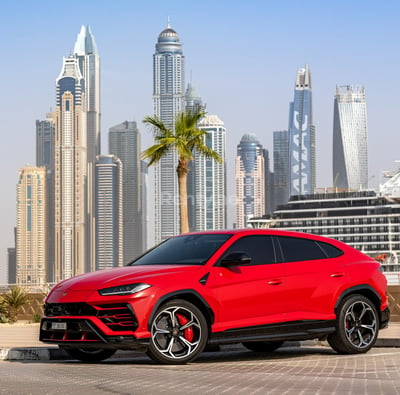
x: 249, y: 294
x: 314, y: 275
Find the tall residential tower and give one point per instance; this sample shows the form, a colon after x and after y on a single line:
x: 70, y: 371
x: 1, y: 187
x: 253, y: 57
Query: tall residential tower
x: 302, y: 161
x: 250, y: 180
x: 168, y: 100
x: 350, y: 138
x: 31, y: 227
x: 70, y: 174
x: 210, y: 178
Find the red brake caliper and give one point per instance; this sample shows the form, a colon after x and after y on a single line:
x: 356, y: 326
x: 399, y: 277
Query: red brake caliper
x: 188, y: 332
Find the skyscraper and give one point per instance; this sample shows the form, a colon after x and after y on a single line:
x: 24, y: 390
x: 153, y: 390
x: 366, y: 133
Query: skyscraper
x: 302, y: 161
x: 210, y: 178
x: 86, y: 53
x: 124, y: 142
x: 193, y: 102
x: 350, y: 136
x: 109, y: 212
x: 281, y: 168
x: 70, y: 175
x: 31, y: 227
x: 45, y: 145
x: 250, y: 180
x: 168, y: 100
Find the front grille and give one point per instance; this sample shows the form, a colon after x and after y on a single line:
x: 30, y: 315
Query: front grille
x: 66, y: 309
x: 117, y: 317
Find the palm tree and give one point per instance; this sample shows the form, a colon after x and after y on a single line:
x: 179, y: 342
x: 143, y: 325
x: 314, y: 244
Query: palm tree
x: 12, y: 301
x: 185, y: 138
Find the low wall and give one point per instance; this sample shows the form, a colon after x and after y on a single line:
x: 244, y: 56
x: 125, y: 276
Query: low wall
x: 35, y: 305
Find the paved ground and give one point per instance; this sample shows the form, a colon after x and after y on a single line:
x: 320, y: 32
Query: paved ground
x: 292, y: 370
x: 20, y: 342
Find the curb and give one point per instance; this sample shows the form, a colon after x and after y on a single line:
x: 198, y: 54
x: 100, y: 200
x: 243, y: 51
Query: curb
x: 32, y: 354
x: 57, y: 354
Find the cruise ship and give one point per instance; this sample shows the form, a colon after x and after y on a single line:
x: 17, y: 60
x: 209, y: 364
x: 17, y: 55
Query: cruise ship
x: 367, y: 220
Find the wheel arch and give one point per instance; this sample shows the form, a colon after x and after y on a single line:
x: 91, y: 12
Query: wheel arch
x: 190, y: 296
x: 364, y: 290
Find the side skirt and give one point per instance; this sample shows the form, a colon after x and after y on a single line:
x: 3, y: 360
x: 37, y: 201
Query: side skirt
x: 297, y: 330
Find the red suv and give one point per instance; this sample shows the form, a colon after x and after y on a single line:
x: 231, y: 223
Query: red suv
x: 255, y: 287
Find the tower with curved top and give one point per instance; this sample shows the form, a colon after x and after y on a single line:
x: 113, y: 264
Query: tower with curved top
x: 350, y: 136
x: 168, y: 100
x: 250, y: 180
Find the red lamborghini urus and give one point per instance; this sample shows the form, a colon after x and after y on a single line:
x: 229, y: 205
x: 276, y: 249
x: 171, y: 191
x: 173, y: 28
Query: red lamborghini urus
x: 255, y: 287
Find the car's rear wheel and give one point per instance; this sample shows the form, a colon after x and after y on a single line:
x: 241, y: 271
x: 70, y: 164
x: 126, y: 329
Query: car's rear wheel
x: 356, y: 326
x: 89, y: 354
x: 179, y: 333
x: 263, y: 346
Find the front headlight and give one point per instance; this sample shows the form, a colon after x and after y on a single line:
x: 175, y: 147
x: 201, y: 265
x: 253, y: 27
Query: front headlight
x: 127, y: 289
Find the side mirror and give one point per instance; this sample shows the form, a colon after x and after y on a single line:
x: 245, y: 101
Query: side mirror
x: 236, y: 259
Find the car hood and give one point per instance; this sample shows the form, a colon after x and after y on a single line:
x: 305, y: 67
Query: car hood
x: 120, y: 276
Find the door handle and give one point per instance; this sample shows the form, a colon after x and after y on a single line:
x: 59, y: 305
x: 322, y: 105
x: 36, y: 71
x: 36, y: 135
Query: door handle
x: 275, y: 282
x: 338, y: 274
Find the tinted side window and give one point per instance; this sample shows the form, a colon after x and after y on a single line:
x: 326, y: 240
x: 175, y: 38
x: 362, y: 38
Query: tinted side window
x: 297, y: 249
x: 330, y: 250
x: 259, y: 247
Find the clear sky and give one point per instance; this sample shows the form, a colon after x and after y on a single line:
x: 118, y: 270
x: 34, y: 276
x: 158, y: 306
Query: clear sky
x: 242, y: 57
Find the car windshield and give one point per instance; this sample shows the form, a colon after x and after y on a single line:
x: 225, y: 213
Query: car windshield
x: 195, y: 249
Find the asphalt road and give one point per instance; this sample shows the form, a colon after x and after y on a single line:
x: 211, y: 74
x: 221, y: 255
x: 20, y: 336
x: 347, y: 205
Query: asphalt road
x: 234, y: 370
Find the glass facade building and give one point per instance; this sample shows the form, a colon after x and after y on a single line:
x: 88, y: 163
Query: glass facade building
x: 281, y: 168
x: 124, y: 143
x: 109, y: 212
x: 350, y: 138
x: 302, y: 161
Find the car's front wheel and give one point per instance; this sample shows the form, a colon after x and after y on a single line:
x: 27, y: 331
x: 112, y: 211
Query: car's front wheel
x: 263, y: 346
x: 357, y: 326
x: 89, y: 354
x: 179, y: 333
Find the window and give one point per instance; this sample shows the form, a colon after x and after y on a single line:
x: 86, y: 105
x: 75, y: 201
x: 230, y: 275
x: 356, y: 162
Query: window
x: 259, y: 247
x: 298, y: 249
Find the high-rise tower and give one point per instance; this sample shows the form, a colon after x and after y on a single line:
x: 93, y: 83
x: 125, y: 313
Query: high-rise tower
x: 109, y: 212
x: 281, y: 168
x: 31, y: 227
x: 302, y: 161
x: 45, y: 144
x: 209, y: 178
x: 168, y: 100
x: 70, y: 174
x: 250, y: 180
x: 86, y: 53
x: 350, y: 138
x: 124, y: 142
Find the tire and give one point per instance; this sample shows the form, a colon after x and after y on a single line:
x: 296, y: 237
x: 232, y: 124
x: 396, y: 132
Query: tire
x: 179, y: 333
x: 90, y: 355
x: 263, y: 346
x: 357, y: 326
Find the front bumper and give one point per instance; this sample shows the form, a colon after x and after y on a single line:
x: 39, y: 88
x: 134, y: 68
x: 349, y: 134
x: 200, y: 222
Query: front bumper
x: 83, y: 333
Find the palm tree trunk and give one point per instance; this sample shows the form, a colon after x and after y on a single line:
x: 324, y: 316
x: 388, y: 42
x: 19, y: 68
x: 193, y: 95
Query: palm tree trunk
x: 182, y: 171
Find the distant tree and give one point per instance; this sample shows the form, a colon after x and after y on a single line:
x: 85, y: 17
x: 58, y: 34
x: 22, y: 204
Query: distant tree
x: 185, y: 138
